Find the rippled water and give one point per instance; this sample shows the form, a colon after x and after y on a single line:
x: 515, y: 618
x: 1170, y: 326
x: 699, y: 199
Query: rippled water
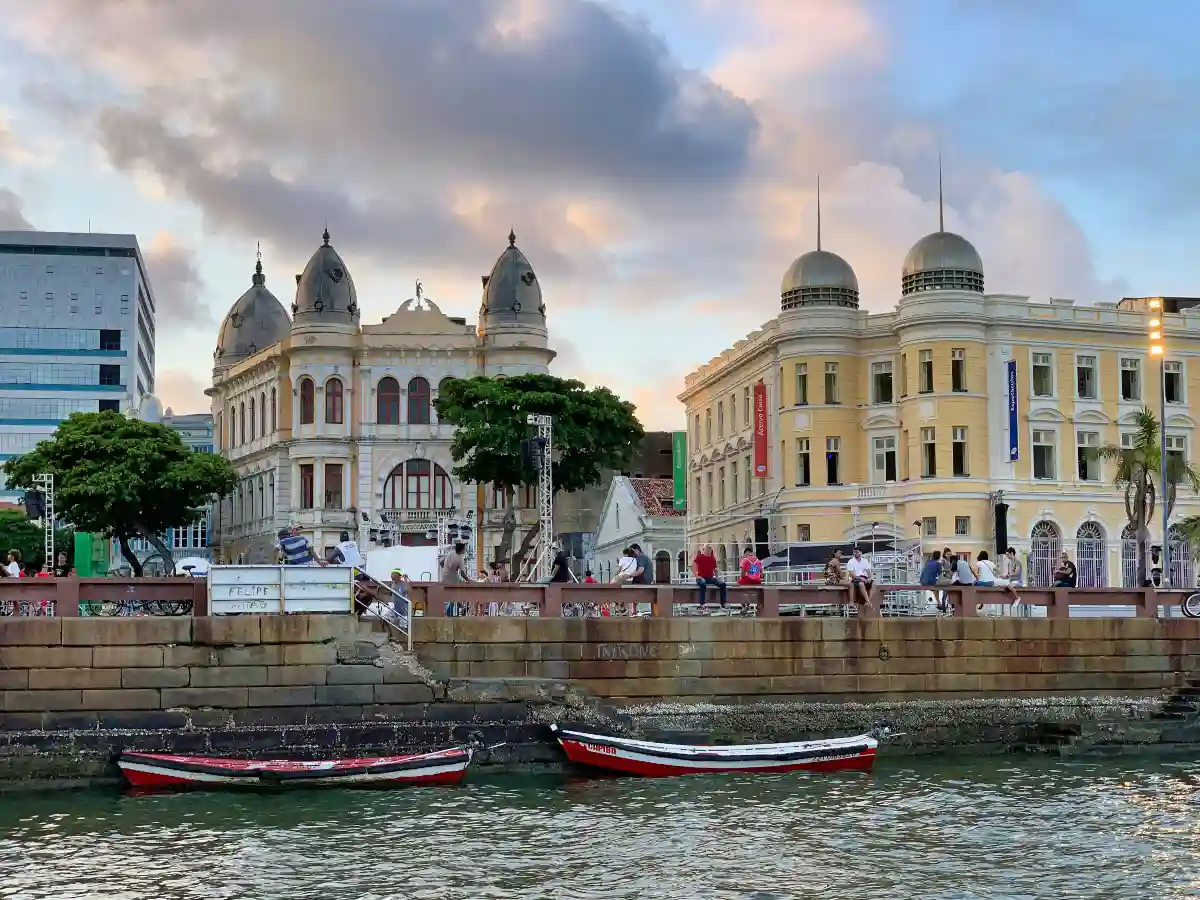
x: 952, y: 829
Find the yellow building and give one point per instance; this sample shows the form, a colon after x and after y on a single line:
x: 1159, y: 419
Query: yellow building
x: 898, y: 424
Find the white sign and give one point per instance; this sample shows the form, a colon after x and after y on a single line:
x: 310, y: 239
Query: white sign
x: 270, y: 590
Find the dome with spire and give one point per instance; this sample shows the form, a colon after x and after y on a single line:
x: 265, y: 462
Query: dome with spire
x: 819, y: 277
x: 512, y: 292
x: 256, y: 321
x: 325, y: 291
x: 942, y: 261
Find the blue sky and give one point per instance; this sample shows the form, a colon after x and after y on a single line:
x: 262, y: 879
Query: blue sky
x: 657, y: 159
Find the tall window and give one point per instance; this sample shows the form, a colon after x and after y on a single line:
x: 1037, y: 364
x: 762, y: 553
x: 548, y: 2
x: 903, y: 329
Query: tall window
x: 696, y: 431
x: 925, y: 372
x: 1173, y: 381
x: 696, y: 495
x: 745, y: 412
x: 1043, y: 375
x: 333, y: 486
x: 1131, y: 379
x: 306, y: 486
x: 928, y: 452
x: 708, y: 426
x: 242, y: 421
x: 721, y: 488
x: 881, y: 382
x: 1085, y: 377
x: 803, y: 533
x: 218, y: 432
x: 884, y: 458
x: 1044, y: 455
x: 708, y: 485
x: 803, y: 463
x: 308, y: 401
x: 831, y: 383
x: 1087, y: 455
x: 418, y: 484
x: 960, y: 462
x: 903, y: 374
x: 1176, y: 445
x: 334, y: 402
x: 802, y: 384
x: 387, y: 401
x: 733, y: 414
x: 929, y: 526
x: 418, y: 401
x: 253, y: 420
x: 274, y: 411
x: 720, y: 418
x: 746, y: 473
x: 262, y: 414
x: 833, y: 452
x: 233, y: 432
x: 733, y: 482
x: 958, y: 370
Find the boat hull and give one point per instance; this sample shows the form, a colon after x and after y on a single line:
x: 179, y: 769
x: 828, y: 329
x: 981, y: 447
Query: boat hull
x: 166, y: 771
x: 654, y: 760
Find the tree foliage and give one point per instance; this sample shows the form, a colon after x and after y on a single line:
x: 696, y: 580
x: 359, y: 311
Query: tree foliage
x: 18, y: 533
x: 124, y: 477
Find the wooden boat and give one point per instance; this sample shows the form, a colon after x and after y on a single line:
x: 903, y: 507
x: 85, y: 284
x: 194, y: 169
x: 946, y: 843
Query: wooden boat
x: 161, y: 770
x: 656, y: 760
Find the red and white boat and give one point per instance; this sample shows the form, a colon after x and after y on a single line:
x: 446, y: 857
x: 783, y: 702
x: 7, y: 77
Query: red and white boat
x: 162, y: 770
x: 634, y: 757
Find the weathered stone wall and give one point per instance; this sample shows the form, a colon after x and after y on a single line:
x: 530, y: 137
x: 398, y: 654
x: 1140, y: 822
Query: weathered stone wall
x: 699, y: 660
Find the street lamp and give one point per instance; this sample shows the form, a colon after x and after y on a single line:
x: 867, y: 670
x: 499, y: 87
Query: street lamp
x: 1158, y: 347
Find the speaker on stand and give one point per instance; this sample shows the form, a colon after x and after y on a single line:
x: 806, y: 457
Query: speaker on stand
x: 762, y: 538
x: 1001, y: 529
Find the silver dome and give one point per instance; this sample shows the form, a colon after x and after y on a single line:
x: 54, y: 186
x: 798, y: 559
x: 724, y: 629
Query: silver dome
x: 942, y: 261
x: 512, y: 292
x: 150, y: 409
x: 819, y: 277
x: 325, y: 291
x: 256, y: 321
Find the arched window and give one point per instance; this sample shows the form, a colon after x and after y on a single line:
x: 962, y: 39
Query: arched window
x: 418, y: 484
x: 333, y: 402
x: 308, y: 401
x: 242, y: 421
x: 418, y: 401
x: 262, y: 499
x: 662, y: 567
x: 1045, y: 545
x: 442, y: 385
x: 722, y: 560
x: 270, y: 493
x: 219, y: 434
x: 387, y: 401
x: 262, y: 414
x: 683, y: 564
x: 252, y: 419
x: 274, y: 411
x: 1091, y: 557
x: 237, y: 505
x: 1129, y: 556
x: 1179, y: 559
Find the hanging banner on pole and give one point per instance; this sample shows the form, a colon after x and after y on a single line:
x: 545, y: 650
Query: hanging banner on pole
x: 679, y: 467
x: 1014, y: 437
x: 761, y: 447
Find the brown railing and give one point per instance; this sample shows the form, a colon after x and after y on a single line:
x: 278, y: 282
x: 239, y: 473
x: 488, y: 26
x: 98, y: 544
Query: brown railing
x: 103, y: 596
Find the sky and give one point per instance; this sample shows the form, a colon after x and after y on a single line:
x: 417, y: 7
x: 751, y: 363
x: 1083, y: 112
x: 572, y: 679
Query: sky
x: 657, y: 159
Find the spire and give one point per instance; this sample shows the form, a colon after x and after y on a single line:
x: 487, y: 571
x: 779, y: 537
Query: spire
x: 512, y: 238
x: 941, y: 203
x: 258, y: 273
x: 325, y: 235
x: 818, y: 212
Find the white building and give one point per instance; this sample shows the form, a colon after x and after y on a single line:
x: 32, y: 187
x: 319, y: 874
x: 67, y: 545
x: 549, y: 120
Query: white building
x: 642, y: 511
x: 76, y: 331
x: 330, y: 423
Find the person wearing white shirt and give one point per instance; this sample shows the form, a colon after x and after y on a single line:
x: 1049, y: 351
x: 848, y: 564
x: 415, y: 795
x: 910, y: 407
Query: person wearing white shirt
x: 13, y: 566
x: 861, y: 578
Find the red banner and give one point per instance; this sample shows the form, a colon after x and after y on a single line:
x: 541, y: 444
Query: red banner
x: 761, y: 454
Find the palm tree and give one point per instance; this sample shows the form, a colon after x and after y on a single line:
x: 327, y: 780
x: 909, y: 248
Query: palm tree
x: 1137, y: 473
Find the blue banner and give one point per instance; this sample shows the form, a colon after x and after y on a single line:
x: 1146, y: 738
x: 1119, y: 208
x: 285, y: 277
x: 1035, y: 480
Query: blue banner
x: 1014, y: 441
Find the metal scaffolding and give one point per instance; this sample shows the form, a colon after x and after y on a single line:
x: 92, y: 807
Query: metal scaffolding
x: 543, y: 462
x: 45, y: 483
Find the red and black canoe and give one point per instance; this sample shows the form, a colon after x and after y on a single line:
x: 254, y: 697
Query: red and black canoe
x: 635, y: 757
x: 161, y: 770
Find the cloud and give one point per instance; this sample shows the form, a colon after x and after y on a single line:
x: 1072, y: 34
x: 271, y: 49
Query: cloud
x: 11, y: 216
x: 177, y: 283
x: 181, y: 392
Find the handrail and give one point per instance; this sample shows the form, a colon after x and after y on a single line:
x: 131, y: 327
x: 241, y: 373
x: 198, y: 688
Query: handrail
x: 405, y: 604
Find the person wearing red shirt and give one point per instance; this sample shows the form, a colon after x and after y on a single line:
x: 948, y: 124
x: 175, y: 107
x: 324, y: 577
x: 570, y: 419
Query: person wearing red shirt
x: 704, y: 567
x: 752, y: 569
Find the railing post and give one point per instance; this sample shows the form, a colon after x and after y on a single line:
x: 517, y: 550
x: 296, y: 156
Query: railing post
x: 664, y: 601
x: 552, y: 601
x: 66, y: 597
x: 1060, y: 604
x: 435, y: 600
x: 768, y: 604
x: 967, y: 605
x: 1147, y: 606
x: 199, y: 596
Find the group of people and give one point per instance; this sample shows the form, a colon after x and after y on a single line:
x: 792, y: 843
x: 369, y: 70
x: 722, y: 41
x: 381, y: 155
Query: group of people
x: 946, y: 568
x: 14, y: 567
x: 704, y: 568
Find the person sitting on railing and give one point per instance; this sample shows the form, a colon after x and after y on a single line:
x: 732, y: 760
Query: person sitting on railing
x: 834, y: 573
x: 751, y: 569
x: 346, y: 553
x: 862, y: 579
x: 1066, y: 575
x: 987, y: 577
x: 704, y: 567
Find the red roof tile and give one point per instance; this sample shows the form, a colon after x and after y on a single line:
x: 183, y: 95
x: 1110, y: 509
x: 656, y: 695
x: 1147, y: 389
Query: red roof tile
x: 657, y: 496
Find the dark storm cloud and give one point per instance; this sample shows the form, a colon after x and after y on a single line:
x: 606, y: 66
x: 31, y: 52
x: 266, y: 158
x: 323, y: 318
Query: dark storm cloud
x: 12, y: 218
x: 177, y: 284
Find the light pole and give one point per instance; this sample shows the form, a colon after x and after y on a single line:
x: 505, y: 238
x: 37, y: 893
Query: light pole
x: 1158, y: 347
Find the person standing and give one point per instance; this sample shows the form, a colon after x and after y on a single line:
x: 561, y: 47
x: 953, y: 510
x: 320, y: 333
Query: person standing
x: 62, y: 568
x: 560, y: 569
x: 14, y: 564
x: 704, y: 567
x: 644, y: 573
x: 453, y: 570
x: 294, y: 549
x: 346, y: 553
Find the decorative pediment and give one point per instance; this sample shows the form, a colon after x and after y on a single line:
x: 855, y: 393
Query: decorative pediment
x: 883, y: 420
x: 1180, y: 420
x: 1091, y: 417
x: 743, y: 443
x: 729, y: 448
x: 1130, y: 418
x: 705, y: 459
x: 1047, y: 414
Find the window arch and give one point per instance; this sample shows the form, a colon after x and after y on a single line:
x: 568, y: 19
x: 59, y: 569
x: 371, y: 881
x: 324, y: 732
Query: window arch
x: 1045, y: 544
x: 242, y: 421
x: 274, y: 410
x: 418, y: 401
x: 682, y: 562
x: 1129, y: 556
x: 662, y: 567
x: 262, y: 414
x: 334, y: 406
x: 262, y: 499
x: 1179, y: 559
x: 418, y: 484
x: 387, y: 401
x: 308, y: 401
x: 1091, y: 555
x: 252, y: 419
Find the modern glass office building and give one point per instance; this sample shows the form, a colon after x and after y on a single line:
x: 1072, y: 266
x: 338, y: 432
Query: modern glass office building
x: 76, y: 332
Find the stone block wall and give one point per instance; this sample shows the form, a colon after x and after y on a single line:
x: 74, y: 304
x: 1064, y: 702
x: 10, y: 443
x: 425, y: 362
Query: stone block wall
x: 819, y: 660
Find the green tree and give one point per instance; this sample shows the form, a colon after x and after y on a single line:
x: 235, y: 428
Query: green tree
x: 123, y: 477
x: 594, y: 431
x: 19, y: 533
x: 1138, y: 474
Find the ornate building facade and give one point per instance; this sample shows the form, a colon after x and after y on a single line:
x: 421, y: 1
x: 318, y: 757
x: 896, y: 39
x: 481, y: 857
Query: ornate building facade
x: 330, y: 423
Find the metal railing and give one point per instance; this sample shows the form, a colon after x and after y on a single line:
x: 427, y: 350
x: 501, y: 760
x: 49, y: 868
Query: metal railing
x: 384, y: 603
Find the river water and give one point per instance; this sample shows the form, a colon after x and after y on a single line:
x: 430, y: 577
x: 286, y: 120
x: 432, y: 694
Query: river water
x: 944, y: 829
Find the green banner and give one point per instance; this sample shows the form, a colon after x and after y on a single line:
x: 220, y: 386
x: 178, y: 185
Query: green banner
x: 679, y: 467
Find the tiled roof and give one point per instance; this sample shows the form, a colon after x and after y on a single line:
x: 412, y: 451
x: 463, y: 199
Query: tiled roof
x: 657, y: 496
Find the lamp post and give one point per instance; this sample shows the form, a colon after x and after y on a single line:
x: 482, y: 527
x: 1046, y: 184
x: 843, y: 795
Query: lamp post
x: 1158, y: 347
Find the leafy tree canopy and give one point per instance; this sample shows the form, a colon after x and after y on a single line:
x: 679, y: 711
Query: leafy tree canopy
x: 594, y: 429
x: 123, y: 476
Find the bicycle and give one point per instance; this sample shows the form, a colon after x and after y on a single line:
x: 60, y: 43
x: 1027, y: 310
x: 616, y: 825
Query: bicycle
x: 1190, y: 607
